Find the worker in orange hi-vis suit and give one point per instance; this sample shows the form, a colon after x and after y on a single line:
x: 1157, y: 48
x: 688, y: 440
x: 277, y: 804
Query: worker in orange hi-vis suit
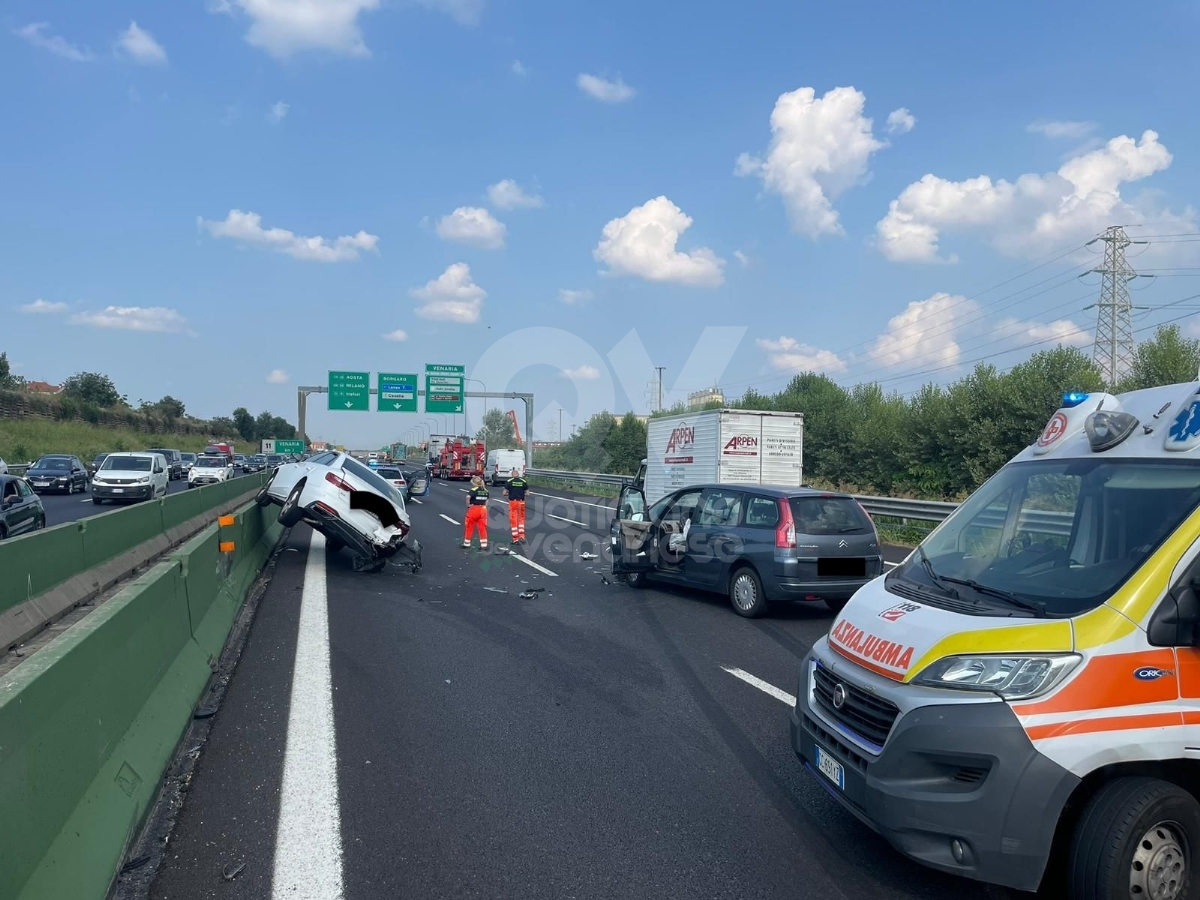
x: 515, y: 492
x: 477, y: 498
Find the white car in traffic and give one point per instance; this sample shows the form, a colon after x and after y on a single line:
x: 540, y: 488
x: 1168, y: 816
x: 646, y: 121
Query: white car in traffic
x: 349, y: 504
x: 210, y: 470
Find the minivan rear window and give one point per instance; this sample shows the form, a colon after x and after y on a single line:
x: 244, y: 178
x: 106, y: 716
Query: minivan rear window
x: 829, y: 515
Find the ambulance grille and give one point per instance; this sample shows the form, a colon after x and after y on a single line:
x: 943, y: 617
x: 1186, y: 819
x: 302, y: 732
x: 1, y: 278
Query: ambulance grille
x: 865, y: 716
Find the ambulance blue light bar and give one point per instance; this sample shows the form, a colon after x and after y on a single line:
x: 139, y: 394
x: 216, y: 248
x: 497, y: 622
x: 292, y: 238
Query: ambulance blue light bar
x: 1073, y: 399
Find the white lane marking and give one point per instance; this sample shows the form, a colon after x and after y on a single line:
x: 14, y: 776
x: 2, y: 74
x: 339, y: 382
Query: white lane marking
x: 418, y: 502
x: 88, y: 500
x: 763, y: 686
x: 566, y: 500
x: 308, y: 837
x: 890, y: 565
x: 565, y: 519
x: 529, y: 562
x: 448, y: 519
x: 464, y: 490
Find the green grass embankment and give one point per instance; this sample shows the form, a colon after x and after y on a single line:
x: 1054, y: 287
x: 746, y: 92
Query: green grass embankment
x: 24, y: 440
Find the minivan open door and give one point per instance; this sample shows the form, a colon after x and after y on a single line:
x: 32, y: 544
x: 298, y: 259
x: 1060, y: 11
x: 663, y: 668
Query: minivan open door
x: 631, y: 533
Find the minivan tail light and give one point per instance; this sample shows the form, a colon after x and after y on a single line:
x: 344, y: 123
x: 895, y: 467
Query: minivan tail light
x: 337, y: 482
x: 785, y: 531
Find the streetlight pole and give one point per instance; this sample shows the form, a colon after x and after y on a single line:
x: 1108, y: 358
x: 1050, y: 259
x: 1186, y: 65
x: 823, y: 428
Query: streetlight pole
x: 485, y: 403
x: 560, y: 440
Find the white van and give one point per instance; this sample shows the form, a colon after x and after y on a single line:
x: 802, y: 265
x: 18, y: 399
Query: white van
x: 501, y: 464
x: 131, y: 476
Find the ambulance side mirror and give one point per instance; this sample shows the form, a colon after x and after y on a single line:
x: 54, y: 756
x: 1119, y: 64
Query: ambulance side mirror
x: 1176, y: 622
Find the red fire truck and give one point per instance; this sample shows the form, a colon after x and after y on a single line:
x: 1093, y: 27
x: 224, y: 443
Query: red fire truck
x: 460, y: 460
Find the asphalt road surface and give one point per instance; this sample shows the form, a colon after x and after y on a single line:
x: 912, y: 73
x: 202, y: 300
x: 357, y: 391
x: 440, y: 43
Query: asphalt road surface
x: 437, y: 736
x: 62, y: 508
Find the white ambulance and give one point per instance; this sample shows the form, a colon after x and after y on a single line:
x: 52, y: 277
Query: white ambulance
x: 1019, y: 701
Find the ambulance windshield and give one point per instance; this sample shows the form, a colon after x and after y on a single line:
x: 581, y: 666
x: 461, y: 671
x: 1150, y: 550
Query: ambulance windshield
x: 1052, y: 537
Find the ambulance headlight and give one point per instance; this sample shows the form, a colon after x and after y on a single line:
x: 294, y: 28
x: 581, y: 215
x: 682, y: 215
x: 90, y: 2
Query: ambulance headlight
x: 1012, y: 677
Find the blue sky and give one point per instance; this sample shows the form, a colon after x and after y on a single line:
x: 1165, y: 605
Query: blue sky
x: 223, y: 200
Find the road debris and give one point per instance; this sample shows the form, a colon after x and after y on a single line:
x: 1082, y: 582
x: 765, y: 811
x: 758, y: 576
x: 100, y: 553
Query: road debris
x: 604, y: 579
x: 233, y: 873
x: 496, y: 590
x: 586, y: 555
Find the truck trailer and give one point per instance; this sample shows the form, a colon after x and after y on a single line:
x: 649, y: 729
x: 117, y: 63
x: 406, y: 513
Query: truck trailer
x: 722, y: 446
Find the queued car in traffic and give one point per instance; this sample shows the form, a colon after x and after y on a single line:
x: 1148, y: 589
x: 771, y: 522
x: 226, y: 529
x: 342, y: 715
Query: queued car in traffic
x: 21, y: 509
x: 125, y: 477
x: 349, y: 504
x: 95, y: 464
x: 755, y: 543
x: 393, y: 476
x: 210, y: 470
x: 174, y: 462
x: 256, y: 463
x: 275, y: 460
x: 188, y: 460
x: 239, y: 461
x: 59, y: 473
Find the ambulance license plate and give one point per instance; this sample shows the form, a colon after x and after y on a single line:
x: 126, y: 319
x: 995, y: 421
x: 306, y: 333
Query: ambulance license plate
x: 831, y: 768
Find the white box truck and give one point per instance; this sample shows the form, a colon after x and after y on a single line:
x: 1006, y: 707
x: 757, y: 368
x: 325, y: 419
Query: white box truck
x: 723, y: 446
x: 436, y: 442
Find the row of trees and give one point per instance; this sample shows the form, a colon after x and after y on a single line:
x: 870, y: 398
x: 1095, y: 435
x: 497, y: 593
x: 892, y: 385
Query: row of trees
x: 92, y: 392
x: 940, y: 443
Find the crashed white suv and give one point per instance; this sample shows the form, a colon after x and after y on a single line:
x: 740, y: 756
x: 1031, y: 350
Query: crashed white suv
x: 210, y: 470
x: 349, y: 504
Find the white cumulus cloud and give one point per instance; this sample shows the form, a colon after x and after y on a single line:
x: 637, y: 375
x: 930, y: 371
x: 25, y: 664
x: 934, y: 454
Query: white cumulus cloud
x: 900, y: 121
x: 140, y: 46
x: 156, y: 319
x: 284, y: 28
x: 924, y: 331
x: 278, y: 112
x: 246, y: 227
x: 277, y: 376
x: 1023, y: 217
x: 40, y: 307
x: 742, y: 258
x: 820, y: 147
x: 507, y: 194
x: 604, y: 90
x: 35, y: 34
x: 574, y: 297
x: 472, y: 225
x: 451, y: 297
x: 398, y: 335
x: 643, y: 243
x: 788, y: 353
x: 1061, y: 129
x: 584, y: 373
x: 1060, y: 331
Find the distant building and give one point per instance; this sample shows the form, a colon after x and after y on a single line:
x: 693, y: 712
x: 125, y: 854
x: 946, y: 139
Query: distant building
x: 42, y: 387
x: 318, y: 446
x: 698, y: 399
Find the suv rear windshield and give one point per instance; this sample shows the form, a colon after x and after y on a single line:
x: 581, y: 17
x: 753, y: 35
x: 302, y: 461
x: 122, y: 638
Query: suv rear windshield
x: 372, y: 478
x: 829, y: 515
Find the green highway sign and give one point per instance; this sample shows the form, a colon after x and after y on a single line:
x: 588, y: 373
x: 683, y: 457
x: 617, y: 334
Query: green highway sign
x: 350, y: 391
x: 397, y: 393
x: 444, y: 388
x: 289, y: 446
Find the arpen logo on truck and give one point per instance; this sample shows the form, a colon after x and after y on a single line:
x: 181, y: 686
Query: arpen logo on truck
x: 681, y: 440
x: 889, y: 654
x: 741, y: 445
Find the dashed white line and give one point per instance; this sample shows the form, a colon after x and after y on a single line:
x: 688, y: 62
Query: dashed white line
x: 448, y: 519
x: 565, y: 519
x: 890, y: 565
x: 418, y: 502
x: 565, y: 500
x: 308, y: 837
x: 763, y: 686
x: 529, y: 562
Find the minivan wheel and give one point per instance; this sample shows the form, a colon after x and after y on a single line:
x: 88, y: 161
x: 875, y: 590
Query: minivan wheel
x: 1137, y: 837
x: 746, y: 593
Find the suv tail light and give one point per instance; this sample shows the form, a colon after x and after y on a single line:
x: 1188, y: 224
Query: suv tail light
x: 337, y: 482
x: 785, y: 531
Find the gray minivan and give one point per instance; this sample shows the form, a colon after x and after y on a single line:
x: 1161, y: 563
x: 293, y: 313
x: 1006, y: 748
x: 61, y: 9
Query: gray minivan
x: 754, y: 543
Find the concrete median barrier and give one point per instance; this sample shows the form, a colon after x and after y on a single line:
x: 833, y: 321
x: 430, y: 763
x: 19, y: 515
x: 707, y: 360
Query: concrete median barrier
x: 55, y: 570
x: 89, y: 723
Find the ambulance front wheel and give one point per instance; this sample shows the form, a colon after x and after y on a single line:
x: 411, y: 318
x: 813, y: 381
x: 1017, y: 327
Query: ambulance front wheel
x: 1137, y: 837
